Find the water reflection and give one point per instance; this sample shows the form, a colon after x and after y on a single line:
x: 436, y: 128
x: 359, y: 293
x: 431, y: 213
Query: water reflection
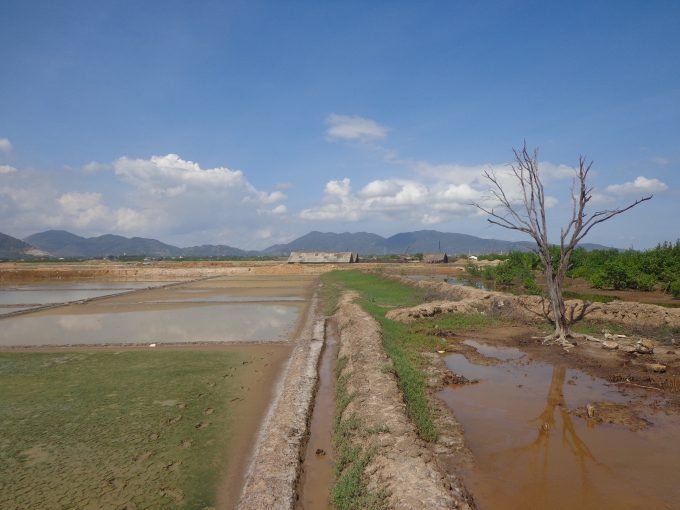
x: 531, y: 454
x: 214, y: 323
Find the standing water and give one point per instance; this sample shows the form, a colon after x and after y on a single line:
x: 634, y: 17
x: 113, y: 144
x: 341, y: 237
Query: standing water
x: 531, y: 453
x: 317, y: 470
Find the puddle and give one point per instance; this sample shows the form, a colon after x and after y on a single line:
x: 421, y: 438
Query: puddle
x: 214, y: 323
x: 493, y: 350
x: 532, y: 454
x: 318, y: 468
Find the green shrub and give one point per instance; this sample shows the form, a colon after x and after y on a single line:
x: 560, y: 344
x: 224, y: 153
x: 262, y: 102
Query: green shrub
x: 489, y: 273
x: 531, y: 287
x: 472, y: 270
x: 617, y: 275
x: 596, y: 281
x: 645, y: 282
x: 504, y: 273
x: 675, y: 289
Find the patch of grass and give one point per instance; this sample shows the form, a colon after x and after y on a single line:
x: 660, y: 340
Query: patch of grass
x: 594, y: 298
x: 350, y: 490
x: 85, y: 424
x: 329, y: 294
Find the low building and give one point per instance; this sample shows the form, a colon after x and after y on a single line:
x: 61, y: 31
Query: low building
x: 321, y: 257
x: 435, y: 258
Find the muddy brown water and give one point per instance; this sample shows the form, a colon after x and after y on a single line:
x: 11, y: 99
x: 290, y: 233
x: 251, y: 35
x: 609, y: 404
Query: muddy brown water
x: 531, y: 454
x: 317, y: 469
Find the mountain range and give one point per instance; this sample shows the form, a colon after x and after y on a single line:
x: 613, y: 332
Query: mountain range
x: 60, y: 243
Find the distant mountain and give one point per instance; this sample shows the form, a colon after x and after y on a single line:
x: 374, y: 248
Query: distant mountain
x: 13, y: 248
x: 319, y: 241
x: 61, y: 243
x: 415, y: 242
x: 221, y: 250
x: 64, y: 244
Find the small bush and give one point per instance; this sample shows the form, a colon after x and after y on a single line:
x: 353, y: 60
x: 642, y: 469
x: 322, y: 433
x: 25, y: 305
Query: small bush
x: 531, y: 288
x: 472, y: 270
x: 675, y: 289
x: 596, y: 281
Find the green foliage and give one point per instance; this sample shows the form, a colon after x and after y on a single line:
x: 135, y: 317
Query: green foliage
x: 596, y: 281
x: 531, y: 288
x: 504, y: 273
x: 473, y: 270
x: 617, y: 275
x: 675, y: 289
x: 645, y: 282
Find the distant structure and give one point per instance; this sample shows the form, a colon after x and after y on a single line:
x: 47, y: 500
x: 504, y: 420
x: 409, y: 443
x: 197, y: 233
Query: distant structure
x: 435, y: 258
x: 320, y: 257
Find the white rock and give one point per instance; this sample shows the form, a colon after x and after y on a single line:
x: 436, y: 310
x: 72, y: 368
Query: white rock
x: 611, y: 346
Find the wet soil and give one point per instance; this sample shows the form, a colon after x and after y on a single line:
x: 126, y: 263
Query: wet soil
x: 112, y: 427
x: 317, y: 468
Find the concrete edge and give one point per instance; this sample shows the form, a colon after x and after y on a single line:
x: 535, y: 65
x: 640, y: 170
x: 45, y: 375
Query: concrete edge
x: 273, y: 472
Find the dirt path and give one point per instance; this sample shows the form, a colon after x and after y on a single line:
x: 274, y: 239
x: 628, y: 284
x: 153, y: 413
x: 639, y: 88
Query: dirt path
x: 404, y: 465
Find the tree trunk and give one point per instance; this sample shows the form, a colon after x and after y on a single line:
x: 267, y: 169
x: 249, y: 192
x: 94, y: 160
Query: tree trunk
x: 554, y: 283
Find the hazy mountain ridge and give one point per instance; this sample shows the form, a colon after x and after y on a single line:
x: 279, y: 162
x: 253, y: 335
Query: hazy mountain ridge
x: 60, y: 243
x: 13, y: 248
x: 415, y: 242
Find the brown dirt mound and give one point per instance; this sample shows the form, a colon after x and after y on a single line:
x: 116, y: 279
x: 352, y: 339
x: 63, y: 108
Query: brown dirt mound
x: 534, y: 307
x: 403, y: 464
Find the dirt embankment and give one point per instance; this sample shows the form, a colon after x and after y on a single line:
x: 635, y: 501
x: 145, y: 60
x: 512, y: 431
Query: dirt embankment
x: 467, y: 299
x: 271, y: 480
x: 15, y: 273
x: 417, y: 475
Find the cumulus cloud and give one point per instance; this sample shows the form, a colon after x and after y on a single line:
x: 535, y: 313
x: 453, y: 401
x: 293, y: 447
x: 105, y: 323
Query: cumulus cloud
x: 5, y: 146
x: 344, y: 127
x: 87, y: 211
x: 640, y: 185
x: 5, y: 169
x: 393, y: 199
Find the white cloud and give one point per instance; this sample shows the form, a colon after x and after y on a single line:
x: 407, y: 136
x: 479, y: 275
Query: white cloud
x: 5, y: 146
x: 393, y: 199
x: 354, y: 128
x: 661, y: 161
x: 264, y: 234
x: 285, y: 185
x: 640, y: 185
x: 95, y: 167
x: 280, y: 209
x: 5, y: 169
x: 87, y: 211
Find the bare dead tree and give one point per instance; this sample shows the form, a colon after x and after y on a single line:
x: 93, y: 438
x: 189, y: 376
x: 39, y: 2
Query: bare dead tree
x: 527, y: 214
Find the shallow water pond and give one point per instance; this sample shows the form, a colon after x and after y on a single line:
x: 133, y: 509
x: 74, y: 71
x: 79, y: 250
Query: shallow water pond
x: 215, y: 323
x: 43, y: 297
x: 530, y: 453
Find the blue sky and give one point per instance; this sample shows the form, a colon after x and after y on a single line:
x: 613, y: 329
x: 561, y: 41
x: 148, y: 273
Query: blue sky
x: 252, y: 123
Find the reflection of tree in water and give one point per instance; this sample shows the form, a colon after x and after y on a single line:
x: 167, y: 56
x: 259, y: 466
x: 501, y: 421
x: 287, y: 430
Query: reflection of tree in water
x: 538, y: 489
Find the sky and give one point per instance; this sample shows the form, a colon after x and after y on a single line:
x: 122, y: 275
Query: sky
x: 253, y: 123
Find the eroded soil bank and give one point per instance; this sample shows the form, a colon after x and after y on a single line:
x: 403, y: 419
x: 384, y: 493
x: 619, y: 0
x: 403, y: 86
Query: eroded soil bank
x: 401, y: 468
